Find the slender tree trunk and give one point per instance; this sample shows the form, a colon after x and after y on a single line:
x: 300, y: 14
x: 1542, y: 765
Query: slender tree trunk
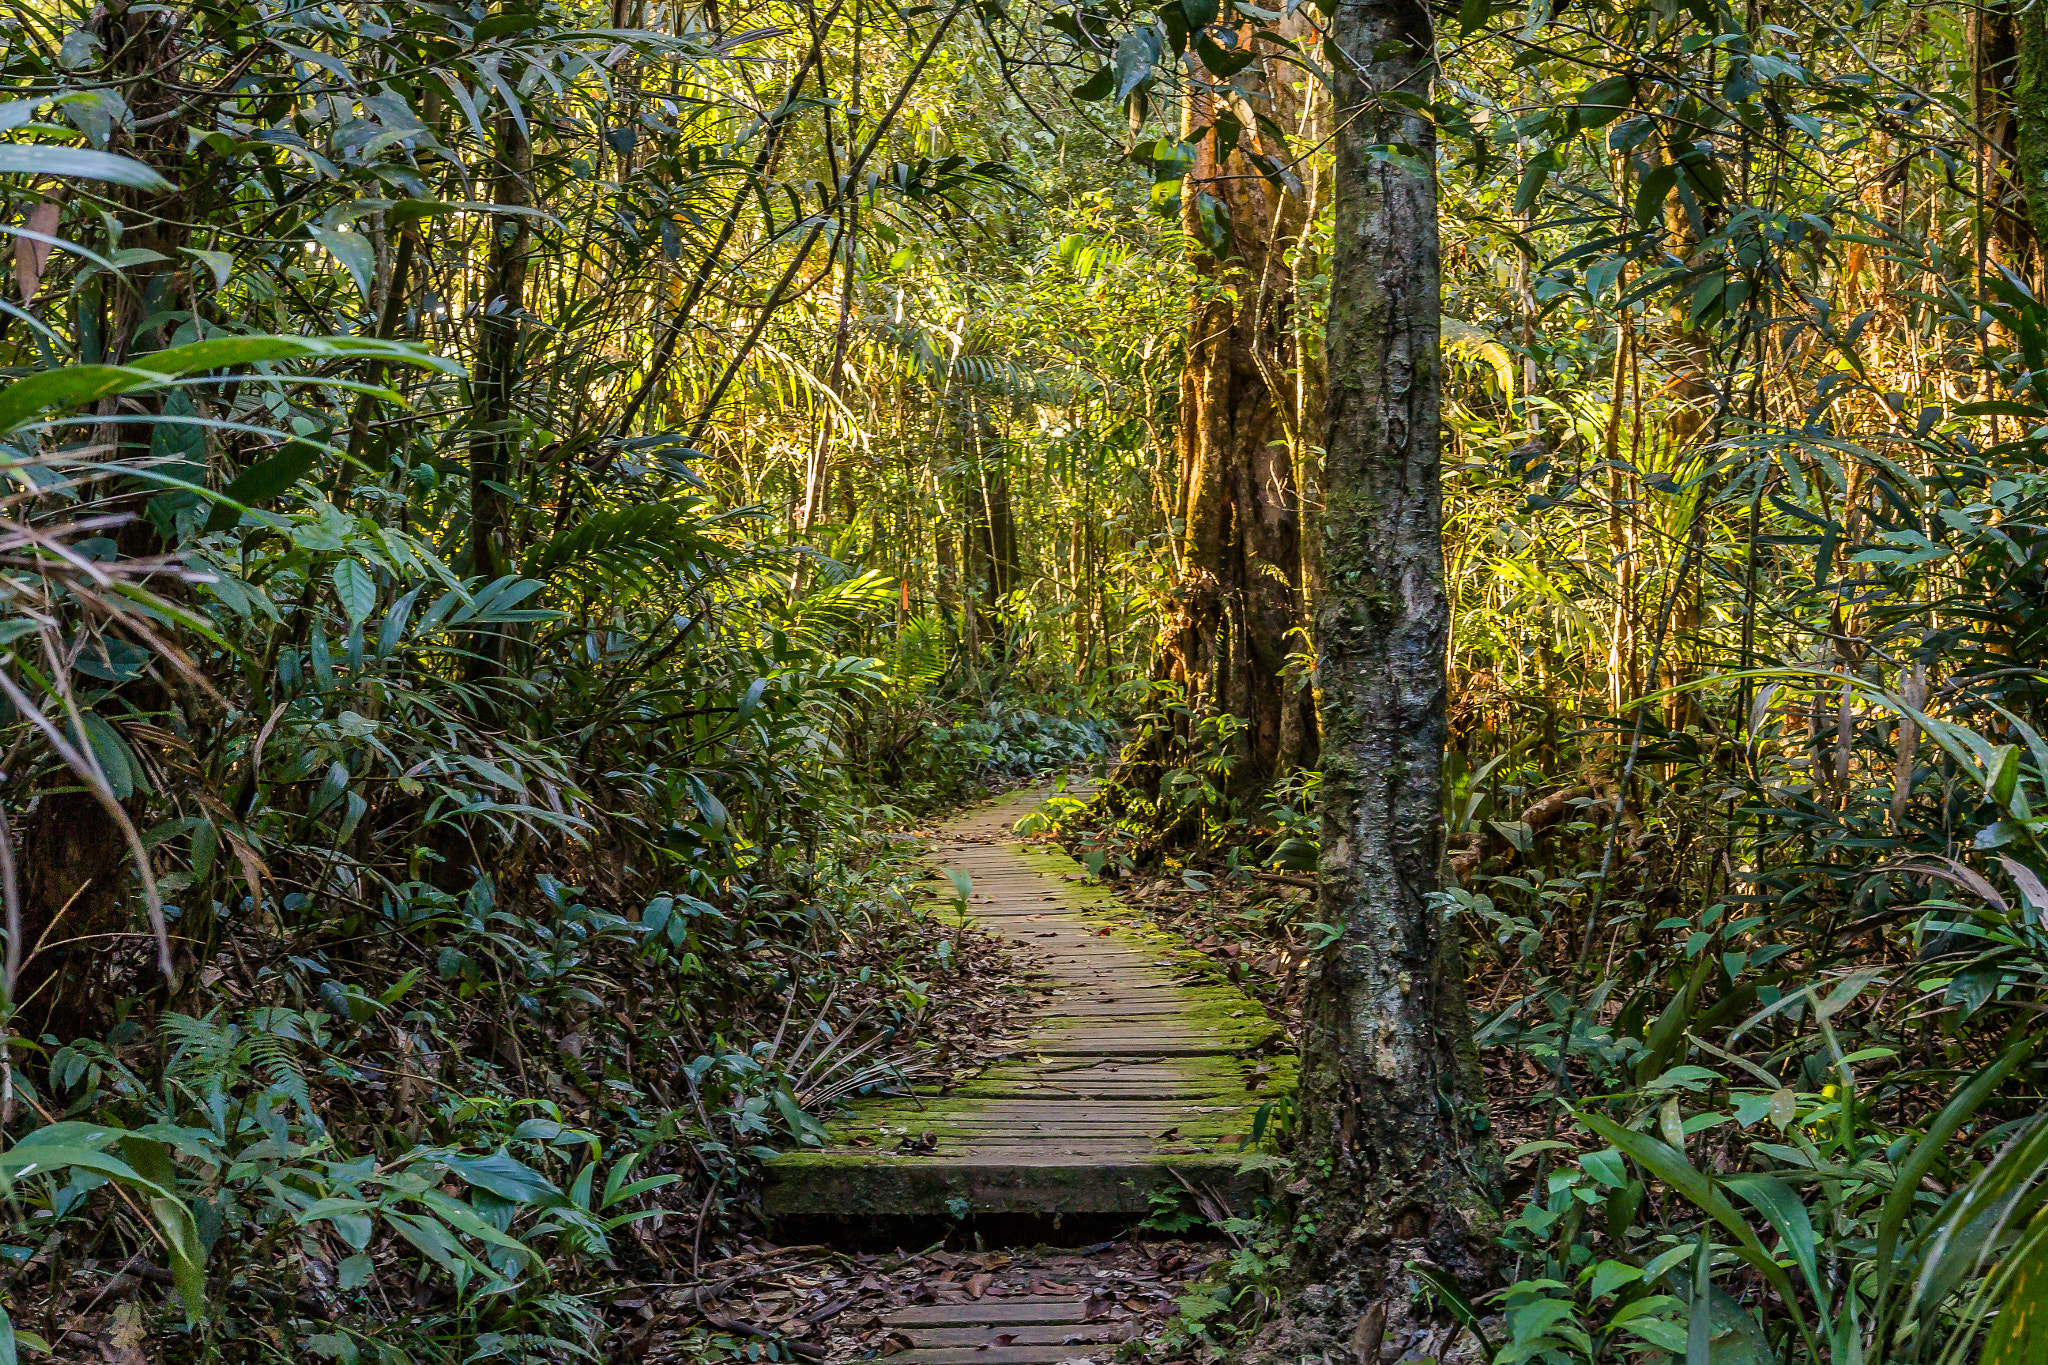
x: 493, y: 444
x: 2009, y: 62
x: 1622, y: 684
x: 2030, y: 121
x: 1393, y: 1121
x: 74, y: 865
x: 989, y: 563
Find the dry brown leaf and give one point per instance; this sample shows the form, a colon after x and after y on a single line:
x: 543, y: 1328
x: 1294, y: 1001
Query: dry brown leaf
x: 31, y: 256
x: 125, y: 1337
x: 977, y: 1285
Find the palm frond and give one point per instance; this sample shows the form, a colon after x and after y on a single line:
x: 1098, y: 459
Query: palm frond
x: 646, y: 545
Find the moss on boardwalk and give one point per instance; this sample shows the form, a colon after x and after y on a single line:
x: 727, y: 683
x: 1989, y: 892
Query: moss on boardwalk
x: 1145, y: 1068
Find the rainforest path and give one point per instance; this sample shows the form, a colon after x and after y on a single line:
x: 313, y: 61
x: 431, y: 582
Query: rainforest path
x: 1141, y: 1072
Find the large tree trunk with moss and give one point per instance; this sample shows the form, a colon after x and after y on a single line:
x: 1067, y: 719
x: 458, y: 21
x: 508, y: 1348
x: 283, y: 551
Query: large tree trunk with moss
x: 2009, y: 60
x: 2030, y: 118
x: 1238, y: 603
x: 1393, y: 1121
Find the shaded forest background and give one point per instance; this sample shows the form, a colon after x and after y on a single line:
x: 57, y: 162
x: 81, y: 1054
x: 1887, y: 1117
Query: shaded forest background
x: 514, y: 510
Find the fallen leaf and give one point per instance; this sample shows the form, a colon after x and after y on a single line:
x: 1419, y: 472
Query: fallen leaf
x: 125, y: 1336
x: 977, y: 1285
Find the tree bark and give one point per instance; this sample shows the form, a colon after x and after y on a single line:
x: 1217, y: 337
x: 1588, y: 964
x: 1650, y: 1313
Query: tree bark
x: 990, y: 566
x: 1393, y: 1123
x: 2009, y: 60
x: 493, y: 444
x: 74, y: 863
x: 1239, y: 602
x: 2030, y: 122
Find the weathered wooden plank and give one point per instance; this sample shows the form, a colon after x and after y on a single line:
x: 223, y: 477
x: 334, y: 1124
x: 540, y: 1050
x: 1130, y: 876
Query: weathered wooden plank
x: 1131, y: 1071
x: 1035, y: 1308
x: 1001, y: 1355
x: 1021, y: 1334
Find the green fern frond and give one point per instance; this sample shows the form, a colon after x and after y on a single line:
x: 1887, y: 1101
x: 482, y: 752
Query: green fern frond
x: 200, y: 1048
x: 272, y: 1057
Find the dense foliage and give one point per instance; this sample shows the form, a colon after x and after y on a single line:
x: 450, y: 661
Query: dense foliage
x: 512, y: 509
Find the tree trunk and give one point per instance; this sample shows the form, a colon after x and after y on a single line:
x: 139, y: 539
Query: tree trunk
x: 493, y: 444
x: 2030, y: 121
x: 74, y: 862
x: 2009, y: 61
x: 988, y: 539
x: 1239, y: 601
x: 1393, y: 1121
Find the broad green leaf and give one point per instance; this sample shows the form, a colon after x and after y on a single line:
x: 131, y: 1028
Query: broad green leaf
x: 1609, y: 1276
x: 1671, y: 1124
x: 77, y: 386
x: 116, y: 761
x: 1749, y: 1106
x: 505, y: 1176
x: 356, y: 253
x: 433, y: 1240
x: 1670, y: 1166
x: 219, y: 262
x: 1783, y: 1211
x: 464, y: 1220
x: 188, y: 1259
x: 74, y: 386
x: 1960, y: 1109
x: 1603, y: 102
x: 28, y: 158
x: 393, y: 629
x: 355, y: 590
x: 264, y: 480
x: 1662, y: 1333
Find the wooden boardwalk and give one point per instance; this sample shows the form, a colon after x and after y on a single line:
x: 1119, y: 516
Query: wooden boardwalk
x: 1141, y: 1072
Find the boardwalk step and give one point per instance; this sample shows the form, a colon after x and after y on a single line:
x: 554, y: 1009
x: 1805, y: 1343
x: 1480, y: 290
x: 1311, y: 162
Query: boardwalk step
x: 1142, y: 1072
